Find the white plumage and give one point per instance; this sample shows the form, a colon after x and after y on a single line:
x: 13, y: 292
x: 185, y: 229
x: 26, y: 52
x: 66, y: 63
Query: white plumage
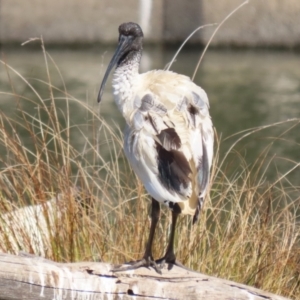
x: 169, y: 135
x: 161, y: 101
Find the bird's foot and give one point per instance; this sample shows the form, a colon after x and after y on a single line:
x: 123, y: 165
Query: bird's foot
x: 171, y: 260
x: 133, y: 265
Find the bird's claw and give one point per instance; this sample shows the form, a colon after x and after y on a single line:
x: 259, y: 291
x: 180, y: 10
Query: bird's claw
x: 171, y: 260
x: 144, y: 262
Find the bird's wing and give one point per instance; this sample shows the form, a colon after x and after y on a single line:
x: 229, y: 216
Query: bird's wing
x: 173, y: 113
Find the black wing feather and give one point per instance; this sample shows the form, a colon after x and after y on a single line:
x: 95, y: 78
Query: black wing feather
x: 173, y: 168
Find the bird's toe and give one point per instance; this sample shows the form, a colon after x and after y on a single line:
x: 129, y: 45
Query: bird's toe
x: 133, y: 265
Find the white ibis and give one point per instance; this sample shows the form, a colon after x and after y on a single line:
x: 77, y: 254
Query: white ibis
x: 168, y: 138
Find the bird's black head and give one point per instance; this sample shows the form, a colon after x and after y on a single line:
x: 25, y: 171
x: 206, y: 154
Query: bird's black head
x: 130, y: 29
x: 130, y: 41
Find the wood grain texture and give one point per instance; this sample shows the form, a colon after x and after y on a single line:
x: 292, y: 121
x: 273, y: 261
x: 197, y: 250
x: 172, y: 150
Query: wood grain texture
x: 30, y: 277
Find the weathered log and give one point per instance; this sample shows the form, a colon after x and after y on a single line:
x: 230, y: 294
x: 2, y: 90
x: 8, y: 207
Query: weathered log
x: 30, y: 228
x: 31, y: 277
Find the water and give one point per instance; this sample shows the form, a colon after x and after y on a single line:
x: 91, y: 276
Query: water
x: 246, y: 89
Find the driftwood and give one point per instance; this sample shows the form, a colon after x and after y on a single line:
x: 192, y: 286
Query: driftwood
x: 32, y: 277
x: 30, y: 228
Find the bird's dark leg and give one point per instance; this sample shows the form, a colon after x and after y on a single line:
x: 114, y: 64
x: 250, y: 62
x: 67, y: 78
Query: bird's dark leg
x: 170, y: 256
x: 147, y: 259
x: 155, y: 213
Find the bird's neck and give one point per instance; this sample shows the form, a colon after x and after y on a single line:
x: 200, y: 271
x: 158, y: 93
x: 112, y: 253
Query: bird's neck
x: 125, y: 82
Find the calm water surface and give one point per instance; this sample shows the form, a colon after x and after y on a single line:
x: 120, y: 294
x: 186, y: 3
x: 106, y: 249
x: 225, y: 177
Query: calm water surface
x: 246, y: 89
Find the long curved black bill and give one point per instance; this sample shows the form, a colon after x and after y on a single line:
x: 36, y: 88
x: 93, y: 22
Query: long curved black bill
x: 124, y: 43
